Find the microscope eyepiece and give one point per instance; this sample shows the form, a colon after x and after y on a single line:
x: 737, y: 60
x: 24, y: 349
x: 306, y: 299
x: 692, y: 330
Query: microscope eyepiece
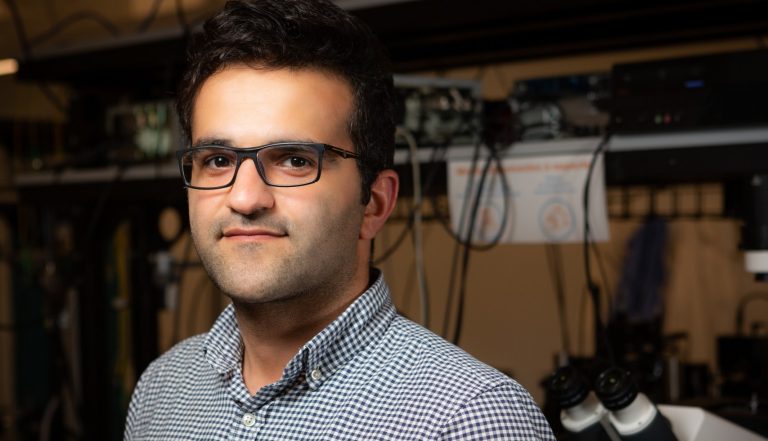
x: 615, y: 388
x: 568, y: 387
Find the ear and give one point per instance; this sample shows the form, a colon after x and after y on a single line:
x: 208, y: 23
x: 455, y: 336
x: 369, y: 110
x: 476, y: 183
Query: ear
x: 383, y: 198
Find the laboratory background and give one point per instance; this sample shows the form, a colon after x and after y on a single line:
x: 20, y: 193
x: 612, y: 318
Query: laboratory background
x: 583, y: 206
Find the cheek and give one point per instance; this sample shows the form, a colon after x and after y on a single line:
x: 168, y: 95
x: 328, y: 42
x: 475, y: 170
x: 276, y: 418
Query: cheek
x: 193, y: 202
x: 323, y: 212
x: 201, y: 206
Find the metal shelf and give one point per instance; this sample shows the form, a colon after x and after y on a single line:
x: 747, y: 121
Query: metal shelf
x: 654, y: 158
x: 647, y: 158
x: 140, y: 172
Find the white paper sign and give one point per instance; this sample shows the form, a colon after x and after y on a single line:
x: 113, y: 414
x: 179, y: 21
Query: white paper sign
x: 542, y: 201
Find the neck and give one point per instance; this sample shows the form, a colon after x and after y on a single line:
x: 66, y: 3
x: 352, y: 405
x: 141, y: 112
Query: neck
x: 274, y: 332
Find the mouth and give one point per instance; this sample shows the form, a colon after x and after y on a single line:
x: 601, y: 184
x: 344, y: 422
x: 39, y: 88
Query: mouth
x: 251, y: 234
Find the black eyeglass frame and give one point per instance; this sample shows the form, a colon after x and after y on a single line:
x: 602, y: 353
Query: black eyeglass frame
x: 251, y: 152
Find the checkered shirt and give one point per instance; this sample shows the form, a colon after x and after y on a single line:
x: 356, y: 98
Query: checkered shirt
x: 370, y: 375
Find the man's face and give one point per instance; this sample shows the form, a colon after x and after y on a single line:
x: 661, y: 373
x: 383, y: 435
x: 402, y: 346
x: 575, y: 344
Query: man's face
x: 262, y: 243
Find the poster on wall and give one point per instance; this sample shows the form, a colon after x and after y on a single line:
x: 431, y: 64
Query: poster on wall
x: 527, y: 199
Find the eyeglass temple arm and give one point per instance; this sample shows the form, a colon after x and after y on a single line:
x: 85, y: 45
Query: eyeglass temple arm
x: 341, y: 152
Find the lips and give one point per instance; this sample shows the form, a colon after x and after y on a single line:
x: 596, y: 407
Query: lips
x: 252, y: 233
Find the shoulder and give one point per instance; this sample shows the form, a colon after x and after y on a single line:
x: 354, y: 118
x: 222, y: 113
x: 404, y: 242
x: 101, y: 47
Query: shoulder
x: 506, y: 411
x: 177, y: 360
x: 430, y: 354
x: 466, y: 393
x: 165, y: 375
x: 182, y: 371
x: 175, y: 372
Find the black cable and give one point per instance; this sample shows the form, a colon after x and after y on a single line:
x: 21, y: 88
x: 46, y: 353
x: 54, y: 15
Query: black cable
x: 21, y: 33
x: 555, y: 265
x: 62, y: 387
x: 506, y: 197
x: 580, y: 326
x: 46, y: 89
x: 101, y: 204
x: 70, y: 20
x: 466, y: 242
x: 399, y: 241
x: 181, y: 17
x: 466, y: 121
x: 475, y: 247
x: 457, y: 241
x: 603, y: 274
x: 428, y: 181
x: 587, y: 232
x: 62, y: 366
x: 456, y: 236
x: 152, y: 15
x: 459, y: 323
x: 147, y: 22
x: 50, y: 5
x: 26, y: 50
x: 601, y: 336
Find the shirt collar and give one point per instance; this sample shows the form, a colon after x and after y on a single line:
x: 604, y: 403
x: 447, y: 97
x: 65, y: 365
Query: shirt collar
x: 363, y: 322
x: 223, y: 345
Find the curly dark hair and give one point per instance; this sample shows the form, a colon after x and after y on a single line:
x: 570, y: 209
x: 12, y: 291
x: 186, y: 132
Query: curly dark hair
x: 302, y: 34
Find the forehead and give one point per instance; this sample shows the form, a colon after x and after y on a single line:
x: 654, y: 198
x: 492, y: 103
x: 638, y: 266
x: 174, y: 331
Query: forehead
x: 252, y: 106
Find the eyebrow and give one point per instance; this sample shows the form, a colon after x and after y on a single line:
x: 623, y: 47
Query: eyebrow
x: 224, y: 142
x: 213, y: 141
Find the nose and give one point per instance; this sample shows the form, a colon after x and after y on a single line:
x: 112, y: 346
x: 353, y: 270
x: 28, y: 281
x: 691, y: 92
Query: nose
x: 249, y: 193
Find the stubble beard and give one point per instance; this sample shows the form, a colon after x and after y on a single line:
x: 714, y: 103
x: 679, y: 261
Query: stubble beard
x: 312, y: 267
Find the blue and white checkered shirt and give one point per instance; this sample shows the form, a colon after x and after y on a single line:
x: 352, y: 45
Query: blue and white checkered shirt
x: 369, y: 375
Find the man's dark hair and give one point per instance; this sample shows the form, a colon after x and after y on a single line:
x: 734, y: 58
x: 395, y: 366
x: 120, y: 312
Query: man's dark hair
x: 302, y: 34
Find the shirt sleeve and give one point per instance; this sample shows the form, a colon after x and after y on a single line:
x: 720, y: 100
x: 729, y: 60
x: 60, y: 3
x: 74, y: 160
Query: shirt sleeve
x: 504, y: 412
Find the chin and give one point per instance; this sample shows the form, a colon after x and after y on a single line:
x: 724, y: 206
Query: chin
x: 248, y: 295
x: 257, y: 293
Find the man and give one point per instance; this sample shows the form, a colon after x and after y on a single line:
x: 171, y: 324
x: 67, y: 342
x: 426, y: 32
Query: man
x: 288, y: 110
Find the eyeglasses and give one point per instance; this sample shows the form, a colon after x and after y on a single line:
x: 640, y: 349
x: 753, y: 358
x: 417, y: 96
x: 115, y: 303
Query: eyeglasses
x: 282, y: 164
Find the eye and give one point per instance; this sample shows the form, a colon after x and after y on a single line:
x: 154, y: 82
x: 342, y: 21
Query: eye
x: 296, y: 162
x: 213, y: 158
x: 218, y: 161
x: 290, y: 157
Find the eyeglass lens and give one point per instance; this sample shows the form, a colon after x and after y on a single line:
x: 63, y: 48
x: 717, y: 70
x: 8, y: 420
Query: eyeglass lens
x: 284, y: 165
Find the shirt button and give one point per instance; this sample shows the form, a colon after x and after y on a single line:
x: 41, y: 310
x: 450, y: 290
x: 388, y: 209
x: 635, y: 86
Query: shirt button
x: 316, y: 374
x: 249, y: 419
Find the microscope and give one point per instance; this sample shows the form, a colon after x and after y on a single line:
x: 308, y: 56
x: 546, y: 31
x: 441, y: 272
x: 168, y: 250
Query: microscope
x: 616, y: 410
